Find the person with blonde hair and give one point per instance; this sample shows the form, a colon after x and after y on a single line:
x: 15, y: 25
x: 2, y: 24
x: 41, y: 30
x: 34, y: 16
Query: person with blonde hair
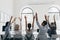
x: 18, y: 31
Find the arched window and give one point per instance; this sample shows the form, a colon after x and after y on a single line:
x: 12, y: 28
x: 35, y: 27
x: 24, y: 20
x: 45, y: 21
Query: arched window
x: 28, y: 12
x: 54, y: 11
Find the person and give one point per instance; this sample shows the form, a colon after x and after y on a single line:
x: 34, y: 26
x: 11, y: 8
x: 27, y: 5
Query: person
x: 52, y: 30
x: 3, y: 29
x: 18, y: 33
x: 7, y: 29
x: 43, y: 28
x: 29, y: 32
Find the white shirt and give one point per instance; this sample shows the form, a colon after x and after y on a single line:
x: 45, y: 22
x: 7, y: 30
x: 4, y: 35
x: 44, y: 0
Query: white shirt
x: 42, y: 29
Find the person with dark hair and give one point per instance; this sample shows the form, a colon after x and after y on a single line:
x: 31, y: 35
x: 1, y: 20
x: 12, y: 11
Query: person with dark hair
x: 29, y: 32
x: 52, y: 30
x: 7, y: 29
x: 43, y: 28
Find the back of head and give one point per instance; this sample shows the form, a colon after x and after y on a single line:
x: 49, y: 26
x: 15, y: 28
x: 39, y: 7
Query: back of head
x: 16, y: 28
x: 29, y: 25
x: 44, y: 23
x: 52, y: 23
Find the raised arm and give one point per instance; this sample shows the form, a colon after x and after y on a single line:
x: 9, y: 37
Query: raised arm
x: 11, y: 18
x: 25, y: 22
x: 37, y: 21
x: 33, y: 22
x: 54, y: 20
x: 36, y: 17
x: 47, y: 18
x: 20, y: 22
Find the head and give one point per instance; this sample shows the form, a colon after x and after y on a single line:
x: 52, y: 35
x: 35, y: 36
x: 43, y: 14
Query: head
x: 16, y: 27
x: 52, y: 24
x: 44, y: 23
x: 7, y: 23
x: 29, y: 26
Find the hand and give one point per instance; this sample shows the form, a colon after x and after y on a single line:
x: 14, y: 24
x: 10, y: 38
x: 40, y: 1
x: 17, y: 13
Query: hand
x: 46, y: 18
x: 36, y: 14
x: 25, y: 17
x: 11, y: 16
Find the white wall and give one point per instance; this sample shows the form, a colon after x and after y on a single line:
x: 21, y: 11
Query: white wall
x: 6, y: 7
